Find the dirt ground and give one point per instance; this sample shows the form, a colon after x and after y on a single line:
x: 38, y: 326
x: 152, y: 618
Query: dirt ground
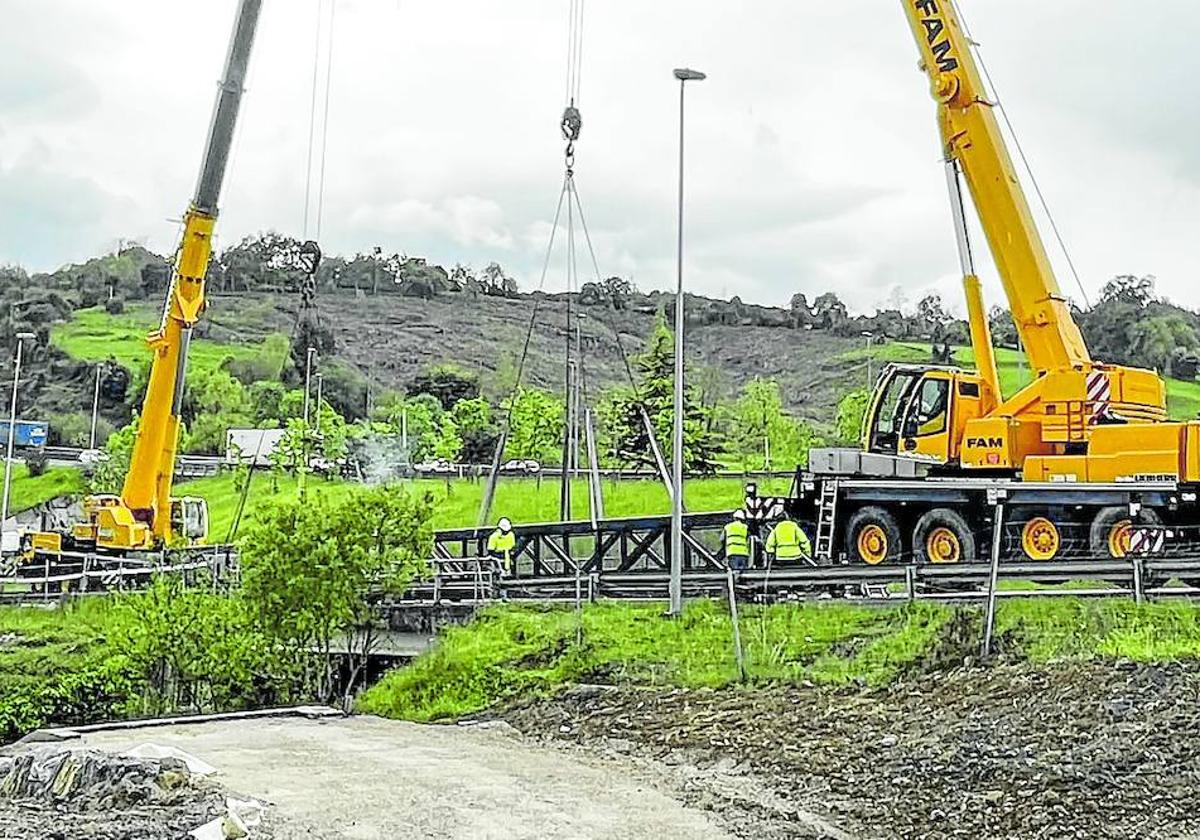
x: 369, y: 778
x: 1089, y: 751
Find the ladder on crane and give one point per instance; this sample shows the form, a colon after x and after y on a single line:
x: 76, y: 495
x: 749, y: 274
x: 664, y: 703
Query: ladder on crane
x: 827, y: 521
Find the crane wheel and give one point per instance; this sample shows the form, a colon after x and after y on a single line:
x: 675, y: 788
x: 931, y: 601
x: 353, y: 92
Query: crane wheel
x: 1112, y: 528
x: 873, y: 537
x: 943, y: 536
x: 1041, y: 539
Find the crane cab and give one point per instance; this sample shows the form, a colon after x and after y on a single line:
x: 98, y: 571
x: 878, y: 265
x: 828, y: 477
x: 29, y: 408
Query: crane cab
x: 189, y: 519
x: 921, y: 411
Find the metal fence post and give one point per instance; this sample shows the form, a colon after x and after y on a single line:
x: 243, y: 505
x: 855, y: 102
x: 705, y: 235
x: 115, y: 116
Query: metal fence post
x: 993, y: 577
x: 1138, y: 584
x: 737, y: 632
x: 910, y: 582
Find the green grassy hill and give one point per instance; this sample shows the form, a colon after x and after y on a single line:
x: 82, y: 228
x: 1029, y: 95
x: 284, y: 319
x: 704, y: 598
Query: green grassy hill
x: 94, y: 335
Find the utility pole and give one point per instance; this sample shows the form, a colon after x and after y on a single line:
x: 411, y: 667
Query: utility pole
x: 684, y: 76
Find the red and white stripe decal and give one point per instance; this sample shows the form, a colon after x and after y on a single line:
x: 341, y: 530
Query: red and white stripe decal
x: 1147, y: 540
x: 1099, y: 394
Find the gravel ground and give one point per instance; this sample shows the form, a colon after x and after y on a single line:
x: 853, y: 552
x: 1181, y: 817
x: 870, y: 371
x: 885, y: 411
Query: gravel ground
x: 366, y: 778
x: 1091, y: 751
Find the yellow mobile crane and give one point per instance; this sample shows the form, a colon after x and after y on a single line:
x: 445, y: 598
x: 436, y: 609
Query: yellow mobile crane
x: 1082, y: 453
x: 145, y: 515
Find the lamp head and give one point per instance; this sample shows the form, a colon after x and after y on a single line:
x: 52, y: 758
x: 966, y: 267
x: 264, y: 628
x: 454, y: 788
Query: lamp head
x: 685, y: 74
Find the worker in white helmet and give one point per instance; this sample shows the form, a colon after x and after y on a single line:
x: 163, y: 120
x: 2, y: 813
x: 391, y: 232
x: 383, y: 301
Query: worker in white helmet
x: 502, y: 544
x: 735, y: 539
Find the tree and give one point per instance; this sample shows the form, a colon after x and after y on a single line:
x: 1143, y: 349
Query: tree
x: 933, y: 317
x: 626, y: 438
x: 1004, y: 331
x: 536, y: 426
x: 311, y: 570
x: 214, y: 402
x: 763, y: 435
x: 495, y: 282
x: 851, y: 410
x: 449, y: 443
x: 446, y: 382
x: 109, y: 475
x: 478, y: 429
x: 1127, y: 288
x: 799, y: 312
x: 829, y: 313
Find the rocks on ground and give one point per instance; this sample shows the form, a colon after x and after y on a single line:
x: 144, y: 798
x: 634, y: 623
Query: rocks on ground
x: 54, y: 792
x: 1088, y: 751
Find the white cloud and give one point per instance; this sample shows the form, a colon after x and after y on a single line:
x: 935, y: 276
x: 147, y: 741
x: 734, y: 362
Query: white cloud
x: 813, y: 160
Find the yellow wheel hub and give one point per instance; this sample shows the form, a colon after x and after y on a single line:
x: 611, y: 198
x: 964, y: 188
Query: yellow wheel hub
x: 872, y: 544
x: 1040, y: 538
x: 1118, y: 538
x: 943, y: 546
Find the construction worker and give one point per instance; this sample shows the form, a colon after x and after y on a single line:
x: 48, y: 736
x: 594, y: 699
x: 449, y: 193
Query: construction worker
x: 501, y: 546
x: 755, y: 509
x: 735, y: 539
x: 788, y: 542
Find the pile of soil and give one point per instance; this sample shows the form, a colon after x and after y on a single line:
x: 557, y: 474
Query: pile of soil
x: 1089, y: 751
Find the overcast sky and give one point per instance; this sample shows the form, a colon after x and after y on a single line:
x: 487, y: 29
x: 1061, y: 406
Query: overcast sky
x: 813, y: 155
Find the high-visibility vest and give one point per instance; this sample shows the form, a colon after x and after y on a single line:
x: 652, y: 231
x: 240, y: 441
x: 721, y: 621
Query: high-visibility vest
x: 788, y: 541
x: 737, y: 539
x: 501, y: 544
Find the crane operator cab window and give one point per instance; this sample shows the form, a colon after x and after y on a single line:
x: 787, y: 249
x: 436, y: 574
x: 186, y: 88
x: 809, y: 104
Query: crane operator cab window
x: 927, y: 415
x: 890, y: 408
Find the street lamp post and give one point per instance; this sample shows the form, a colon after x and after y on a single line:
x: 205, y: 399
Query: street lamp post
x: 12, y: 424
x: 308, y: 363
x: 320, y: 383
x: 869, y: 336
x: 95, y: 408
x: 684, y: 75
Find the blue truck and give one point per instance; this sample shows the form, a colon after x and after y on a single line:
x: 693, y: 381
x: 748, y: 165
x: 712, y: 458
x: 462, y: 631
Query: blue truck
x: 29, y: 434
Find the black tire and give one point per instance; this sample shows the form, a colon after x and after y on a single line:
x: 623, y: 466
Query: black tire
x: 952, y: 522
x: 1107, y: 519
x: 884, y: 525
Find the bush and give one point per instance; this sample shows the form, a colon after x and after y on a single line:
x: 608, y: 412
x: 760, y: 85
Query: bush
x: 115, y: 305
x: 36, y: 462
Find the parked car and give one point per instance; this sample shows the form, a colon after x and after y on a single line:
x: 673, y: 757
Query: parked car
x: 525, y: 466
x: 92, y: 457
x: 438, y: 466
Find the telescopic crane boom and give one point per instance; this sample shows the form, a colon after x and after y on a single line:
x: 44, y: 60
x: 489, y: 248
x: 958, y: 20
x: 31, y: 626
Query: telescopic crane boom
x: 1079, y: 420
x: 145, y: 515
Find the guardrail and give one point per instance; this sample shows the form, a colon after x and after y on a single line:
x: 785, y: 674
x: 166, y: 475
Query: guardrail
x: 52, y: 577
x: 478, y: 580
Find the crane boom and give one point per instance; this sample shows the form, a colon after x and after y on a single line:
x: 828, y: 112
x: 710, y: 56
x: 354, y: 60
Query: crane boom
x: 971, y: 137
x: 147, y: 488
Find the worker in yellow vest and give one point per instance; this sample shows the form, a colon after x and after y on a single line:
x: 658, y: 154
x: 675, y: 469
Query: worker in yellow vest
x: 735, y: 539
x: 788, y: 542
x: 501, y: 546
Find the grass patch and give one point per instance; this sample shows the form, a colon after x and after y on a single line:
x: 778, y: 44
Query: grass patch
x: 520, y: 651
x: 525, y: 500
x: 512, y: 652
x: 57, y: 665
x: 93, y: 335
x: 1050, y: 630
x: 30, y: 491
